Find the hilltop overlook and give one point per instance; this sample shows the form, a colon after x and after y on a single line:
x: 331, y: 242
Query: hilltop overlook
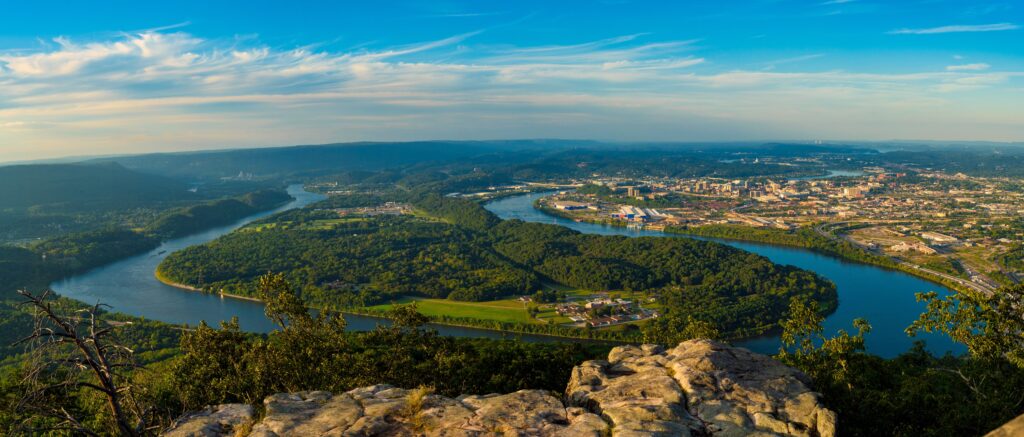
x: 698, y: 388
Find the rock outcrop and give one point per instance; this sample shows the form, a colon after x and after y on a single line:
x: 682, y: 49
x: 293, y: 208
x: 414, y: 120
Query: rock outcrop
x: 699, y: 388
x: 382, y: 410
x: 222, y: 420
x: 1012, y: 428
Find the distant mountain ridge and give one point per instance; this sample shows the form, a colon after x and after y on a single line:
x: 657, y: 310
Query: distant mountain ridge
x: 312, y: 160
x: 23, y: 186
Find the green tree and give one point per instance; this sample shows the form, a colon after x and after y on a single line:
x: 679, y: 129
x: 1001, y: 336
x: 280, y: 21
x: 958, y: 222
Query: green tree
x: 407, y: 317
x: 213, y: 366
x: 991, y: 326
x: 282, y: 305
x: 673, y: 328
x: 826, y: 360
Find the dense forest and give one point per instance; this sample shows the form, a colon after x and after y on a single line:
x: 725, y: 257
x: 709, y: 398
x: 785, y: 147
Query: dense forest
x: 802, y: 237
x: 83, y: 186
x: 188, y: 220
x: 40, y: 201
x: 352, y: 262
x: 313, y: 160
x: 808, y: 238
x: 461, y: 251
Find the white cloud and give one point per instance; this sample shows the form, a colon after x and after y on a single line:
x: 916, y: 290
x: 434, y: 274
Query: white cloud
x: 968, y: 67
x: 836, y: 2
x: 957, y: 28
x: 154, y: 90
x: 972, y: 82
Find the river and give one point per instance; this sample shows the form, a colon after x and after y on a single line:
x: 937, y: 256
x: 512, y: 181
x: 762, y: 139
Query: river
x: 130, y: 287
x: 831, y: 174
x: 884, y: 297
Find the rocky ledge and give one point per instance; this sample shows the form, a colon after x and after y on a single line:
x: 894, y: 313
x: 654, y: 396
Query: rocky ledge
x: 699, y: 388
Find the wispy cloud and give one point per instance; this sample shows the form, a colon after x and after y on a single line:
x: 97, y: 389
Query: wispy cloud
x: 968, y: 67
x: 957, y: 28
x: 772, y: 64
x: 157, y: 90
x: 163, y: 28
x: 836, y: 2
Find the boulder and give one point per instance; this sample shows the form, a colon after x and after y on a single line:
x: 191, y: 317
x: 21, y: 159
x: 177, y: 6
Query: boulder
x: 382, y: 410
x: 698, y: 388
x: 221, y: 420
x: 706, y: 387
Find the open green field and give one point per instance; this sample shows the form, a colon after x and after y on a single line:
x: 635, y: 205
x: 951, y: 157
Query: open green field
x: 507, y: 310
x: 547, y: 314
x: 328, y: 224
x: 316, y: 225
x: 421, y: 214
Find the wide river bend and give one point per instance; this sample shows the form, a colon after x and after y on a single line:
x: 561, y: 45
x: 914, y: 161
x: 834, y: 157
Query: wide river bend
x: 129, y: 286
x: 884, y: 297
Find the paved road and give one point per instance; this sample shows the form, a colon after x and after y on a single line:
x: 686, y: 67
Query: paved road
x: 983, y: 288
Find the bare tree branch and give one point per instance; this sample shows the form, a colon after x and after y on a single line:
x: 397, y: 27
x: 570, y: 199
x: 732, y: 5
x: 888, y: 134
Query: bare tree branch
x: 75, y: 352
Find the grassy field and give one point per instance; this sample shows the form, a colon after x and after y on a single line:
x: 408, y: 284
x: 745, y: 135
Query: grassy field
x: 548, y: 315
x: 316, y: 225
x: 328, y: 224
x: 421, y: 214
x: 507, y: 310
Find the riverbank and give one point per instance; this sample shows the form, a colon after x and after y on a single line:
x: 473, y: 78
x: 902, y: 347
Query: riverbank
x: 164, y: 280
x: 507, y: 328
x: 568, y: 333
x: 884, y: 297
x: 859, y: 255
x: 778, y: 237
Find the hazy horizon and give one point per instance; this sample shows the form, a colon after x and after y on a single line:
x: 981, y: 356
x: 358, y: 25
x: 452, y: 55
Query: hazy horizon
x: 837, y: 142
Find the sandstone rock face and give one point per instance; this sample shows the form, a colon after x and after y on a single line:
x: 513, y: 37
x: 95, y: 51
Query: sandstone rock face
x: 382, y: 410
x: 1012, y: 428
x: 221, y: 420
x: 699, y: 388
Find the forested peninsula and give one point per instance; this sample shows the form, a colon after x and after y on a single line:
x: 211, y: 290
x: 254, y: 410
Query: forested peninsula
x: 455, y: 249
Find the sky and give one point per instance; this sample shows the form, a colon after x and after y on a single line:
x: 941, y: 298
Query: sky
x: 84, y: 78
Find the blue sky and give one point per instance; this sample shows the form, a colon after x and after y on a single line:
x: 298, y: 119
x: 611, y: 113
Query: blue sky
x: 130, y: 77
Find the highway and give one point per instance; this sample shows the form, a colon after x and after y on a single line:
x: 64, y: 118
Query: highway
x: 977, y: 286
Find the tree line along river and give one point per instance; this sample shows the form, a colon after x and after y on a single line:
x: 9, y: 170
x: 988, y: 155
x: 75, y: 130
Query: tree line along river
x: 884, y: 297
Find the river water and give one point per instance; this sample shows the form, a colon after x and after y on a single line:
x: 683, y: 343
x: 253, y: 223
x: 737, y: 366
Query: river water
x: 130, y: 287
x: 884, y: 297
